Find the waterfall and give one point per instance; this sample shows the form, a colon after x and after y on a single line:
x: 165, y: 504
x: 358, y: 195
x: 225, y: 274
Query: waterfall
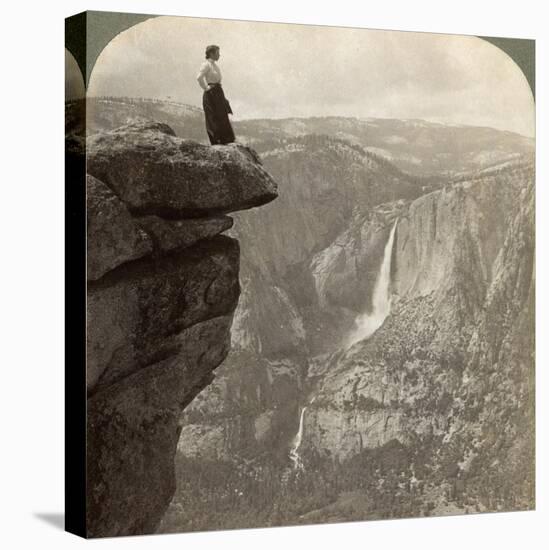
x: 294, y: 454
x: 367, y: 323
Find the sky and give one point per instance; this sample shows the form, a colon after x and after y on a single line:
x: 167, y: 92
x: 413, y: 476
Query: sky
x: 276, y: 70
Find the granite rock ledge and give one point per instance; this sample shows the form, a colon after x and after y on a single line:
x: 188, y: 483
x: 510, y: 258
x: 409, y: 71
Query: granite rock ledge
x: 163, y: 284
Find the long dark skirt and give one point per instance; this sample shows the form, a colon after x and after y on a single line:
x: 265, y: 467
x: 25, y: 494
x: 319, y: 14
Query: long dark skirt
x: 217, y: 109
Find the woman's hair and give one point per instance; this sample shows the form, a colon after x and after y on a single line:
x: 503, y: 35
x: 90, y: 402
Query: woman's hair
x: 211, y: 49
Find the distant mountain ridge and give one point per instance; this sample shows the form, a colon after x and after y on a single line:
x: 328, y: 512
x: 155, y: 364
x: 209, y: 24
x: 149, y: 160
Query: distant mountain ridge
x: 415, y: 146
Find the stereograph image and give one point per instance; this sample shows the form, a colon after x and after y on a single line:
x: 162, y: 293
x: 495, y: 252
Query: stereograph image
x: 310, y: 275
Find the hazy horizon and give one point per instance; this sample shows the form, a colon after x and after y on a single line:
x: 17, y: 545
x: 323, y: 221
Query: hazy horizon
x: 316, y: 71
x: 282, y: 118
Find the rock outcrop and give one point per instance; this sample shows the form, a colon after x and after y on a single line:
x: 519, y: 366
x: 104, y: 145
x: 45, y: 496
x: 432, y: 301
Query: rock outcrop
x: 162, y: 289
x: 155, y: 172
x: 113, y: 236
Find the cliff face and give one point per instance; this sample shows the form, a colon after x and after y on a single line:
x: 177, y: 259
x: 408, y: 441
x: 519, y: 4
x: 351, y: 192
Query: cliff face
x: 162, y: 289
x: 451, y: 369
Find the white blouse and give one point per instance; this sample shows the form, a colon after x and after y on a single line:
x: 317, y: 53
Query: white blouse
x: 210, y: 71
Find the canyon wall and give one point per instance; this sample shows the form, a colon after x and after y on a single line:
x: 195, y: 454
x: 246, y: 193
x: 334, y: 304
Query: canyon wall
x: 451, y: 369
x: 309, y: 268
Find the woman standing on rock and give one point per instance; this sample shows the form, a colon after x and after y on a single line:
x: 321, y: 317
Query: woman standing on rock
x: 216, y: 106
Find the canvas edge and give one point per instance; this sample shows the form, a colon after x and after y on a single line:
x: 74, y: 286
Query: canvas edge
x: 75, y: 314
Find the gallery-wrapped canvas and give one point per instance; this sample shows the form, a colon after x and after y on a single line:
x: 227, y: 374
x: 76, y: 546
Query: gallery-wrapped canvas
x: 300, y: 274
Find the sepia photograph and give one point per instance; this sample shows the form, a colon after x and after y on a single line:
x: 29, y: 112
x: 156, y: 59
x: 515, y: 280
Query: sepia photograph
x: 310, y: 272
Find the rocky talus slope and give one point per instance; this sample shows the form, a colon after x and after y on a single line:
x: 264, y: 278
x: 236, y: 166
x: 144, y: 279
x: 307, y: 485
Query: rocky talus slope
x: 163, y: 285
